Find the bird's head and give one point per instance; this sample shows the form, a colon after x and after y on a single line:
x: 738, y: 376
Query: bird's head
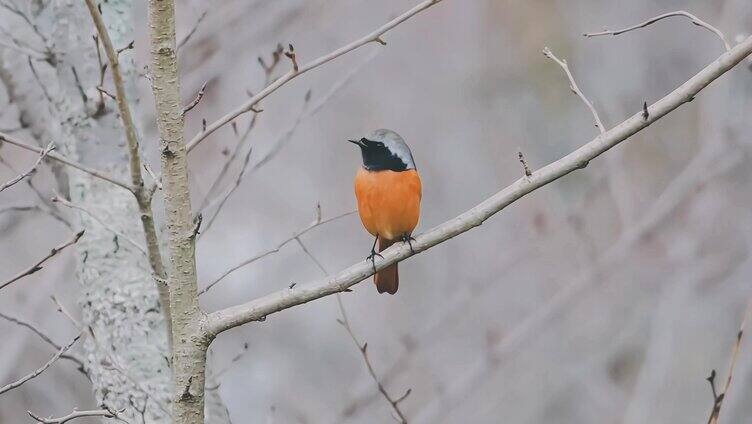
x: 385, y: 150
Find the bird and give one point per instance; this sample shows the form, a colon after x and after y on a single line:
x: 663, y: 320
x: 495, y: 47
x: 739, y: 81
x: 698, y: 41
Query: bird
x: 388, y: 190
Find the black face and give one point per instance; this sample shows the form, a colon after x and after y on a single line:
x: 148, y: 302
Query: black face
x: 377, y: 157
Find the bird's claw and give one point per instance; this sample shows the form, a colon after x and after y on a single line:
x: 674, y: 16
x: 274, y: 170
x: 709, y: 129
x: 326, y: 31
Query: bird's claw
x: 372, y: 258
x: 408, y: 239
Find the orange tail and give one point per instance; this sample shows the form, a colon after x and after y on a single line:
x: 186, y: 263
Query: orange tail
x: 387, y: 280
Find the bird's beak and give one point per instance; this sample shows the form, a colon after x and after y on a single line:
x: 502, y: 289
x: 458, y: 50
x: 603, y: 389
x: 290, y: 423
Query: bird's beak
x: 358, y: 142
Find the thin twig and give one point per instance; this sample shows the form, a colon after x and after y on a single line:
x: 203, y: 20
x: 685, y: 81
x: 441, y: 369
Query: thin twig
x: 42, y: 335
x: 50, y: 147
x: 394, y: 403
x: 119, y: 234
x: 276, y: 249
x: 362, y: 348
x: 718, y: 398
x: 285, y: 138
x: 62, y: 159
x: 575, y: 89
x: 38, y: 265
x: 695, y: 20
x: 197, y: 99
x: 370, y: 38
x: 188, y: 36
x: 41, y: 369
x: 268, y: 74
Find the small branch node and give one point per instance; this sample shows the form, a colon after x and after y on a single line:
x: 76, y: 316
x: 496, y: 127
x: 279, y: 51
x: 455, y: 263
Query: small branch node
x: 525, y: 167
x: 195, y: 101
x: 290, y: 53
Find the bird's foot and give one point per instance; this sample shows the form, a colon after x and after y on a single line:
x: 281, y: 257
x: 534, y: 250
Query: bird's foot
x: 407, y: 238
x: 372, y: 258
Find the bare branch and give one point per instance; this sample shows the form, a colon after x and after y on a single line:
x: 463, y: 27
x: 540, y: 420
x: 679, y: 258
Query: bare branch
x: 42, y: 335
x: 283, y: 140
x: 525, y: 167
x: 62, y: 159
x: 362, y: 348
x: 268, y: 73
x: 196, y: 100
x: 134, y: 243
x: 50, y: 147
x: 245, y: 107
x: 41, y: 369
x: 106, y: 413
x: 719, y: 398
x: 276, y: 249
x: 222, y: 320
x: 38, y: 265
x: 695, y: 20
x: 394, y: 403
x: 575, y: 89
x: 188, y: 36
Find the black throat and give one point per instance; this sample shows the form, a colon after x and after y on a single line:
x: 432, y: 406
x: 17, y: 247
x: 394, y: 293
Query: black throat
x: 379, y: 158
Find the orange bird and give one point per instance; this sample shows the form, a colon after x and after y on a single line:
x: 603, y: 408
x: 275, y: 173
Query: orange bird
x: 388, y: 189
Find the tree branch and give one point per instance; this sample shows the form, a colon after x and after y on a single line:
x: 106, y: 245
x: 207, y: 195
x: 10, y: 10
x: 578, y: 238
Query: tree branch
x: 38, y: 265
x: 276, y: 249
x: 62, y: 159
x: 45, y: 338
x: 189, y: 346
x: 50, y: 147
x: 106, y: 413
x: 394, y: 403
x: 695, y: 20
x: 575, y: 89
x: 248, y: 105
x: 41, y: 369
x: 257, y: 309
x: 718, y: 399
x: 134, y: 243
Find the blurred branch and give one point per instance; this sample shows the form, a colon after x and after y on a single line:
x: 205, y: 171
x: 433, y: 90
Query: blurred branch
x: 50, y: 147
x: 45, y: 338
x: 364, y: 353
x: 41, y: 369
x: 285, y: 138
x: 268, y: 73
x: 52, y: 155
x: 276, y: 249
x: 719, y: 398
x: 248, y: 105
x: 183, y: 41
x: 362, y: 348
x: 575, y: 89
x: 695, y: 20
x: 38, y: 265
x: 134, y: 243
x: 257, y: 309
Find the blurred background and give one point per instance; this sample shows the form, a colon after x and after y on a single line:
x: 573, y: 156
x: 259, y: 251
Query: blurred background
x: 605, y: 297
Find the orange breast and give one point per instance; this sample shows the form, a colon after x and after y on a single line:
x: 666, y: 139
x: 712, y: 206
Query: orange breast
x: 388, y: 201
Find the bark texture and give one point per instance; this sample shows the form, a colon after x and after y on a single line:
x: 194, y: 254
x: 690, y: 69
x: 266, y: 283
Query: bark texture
x: 189, y: 338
